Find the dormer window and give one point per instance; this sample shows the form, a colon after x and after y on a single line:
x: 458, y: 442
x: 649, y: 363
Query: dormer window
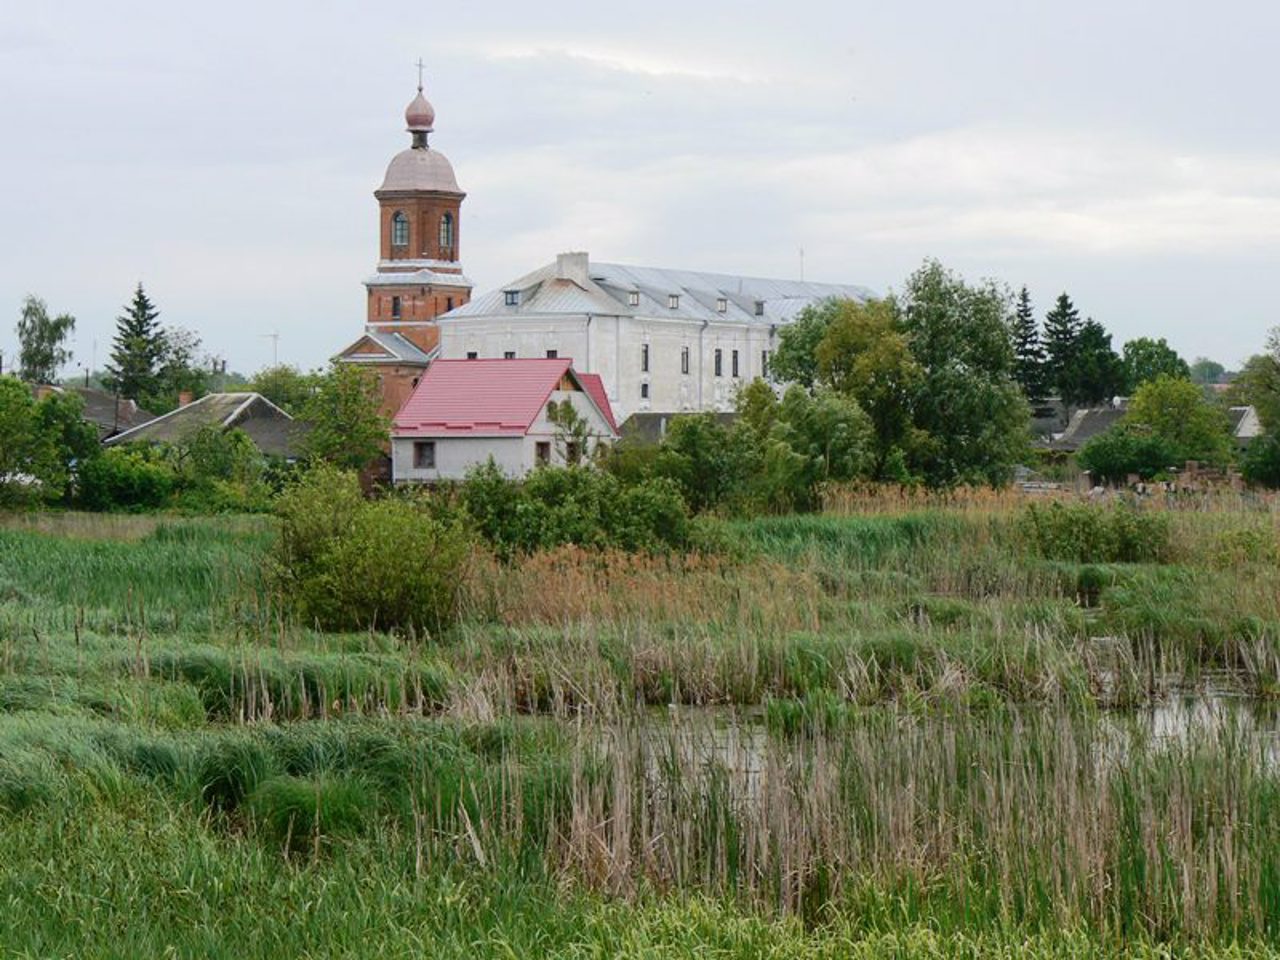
x: 633, y: 298
x: 512, y: 298
x: 673, y: 301
x: 722, y: 305
x: 399, y: 229
x: 759, y: 308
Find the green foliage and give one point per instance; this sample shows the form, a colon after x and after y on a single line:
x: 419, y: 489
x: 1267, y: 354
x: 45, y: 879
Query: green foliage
x: 700, y: 455
x: 1096, y: 373
x: 1203, y: 370
x: 285, y: 386
x: 1062, y: 326
x: 1082, y: 533
x: 865, y: 356
x: 1127, y: 449
x: 24, y: 450
x: 1177, y: 412
x: 345, y: 563
x: 41, y: 338
x: 1258, y: 384
x: 1028, y: 352
x: 1146, y: 358
x: 299, y: 814
x: 126, y: 478
x: 1261, y: 462
x: 585, y: 506
x: 796, y: 358
x: 344, y: 412
x: 137, y: 351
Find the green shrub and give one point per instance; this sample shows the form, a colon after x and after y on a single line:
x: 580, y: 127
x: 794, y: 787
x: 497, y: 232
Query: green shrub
x: 1083, y: 533
x: 126, y: 478
x: 346, y: 563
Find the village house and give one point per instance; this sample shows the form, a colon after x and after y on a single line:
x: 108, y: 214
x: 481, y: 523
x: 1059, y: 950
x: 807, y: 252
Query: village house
x: 271, y: 429
x: 464, y: 412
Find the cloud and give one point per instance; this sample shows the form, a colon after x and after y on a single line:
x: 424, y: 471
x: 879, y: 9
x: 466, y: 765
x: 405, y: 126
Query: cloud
x: 617, y: 59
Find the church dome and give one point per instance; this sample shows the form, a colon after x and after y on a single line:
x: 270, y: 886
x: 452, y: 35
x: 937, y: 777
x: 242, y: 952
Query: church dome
x: 420, y: 169
x: 420, y: 116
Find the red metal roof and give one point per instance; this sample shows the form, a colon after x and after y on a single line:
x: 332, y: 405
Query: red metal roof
x: 594, y: 386
x: 486, y: 397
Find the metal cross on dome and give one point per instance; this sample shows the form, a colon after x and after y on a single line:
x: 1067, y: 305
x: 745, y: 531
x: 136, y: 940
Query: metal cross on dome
x: 421, y: 65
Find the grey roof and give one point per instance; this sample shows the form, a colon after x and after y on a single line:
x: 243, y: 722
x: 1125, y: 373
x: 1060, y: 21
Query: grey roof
x: 575, y: 285
x: 420, y: 168
x: 395, y: 347
x: 109, y: 413
x: 273, y: 430
x: 1085, y: 425
x: 649, y: 427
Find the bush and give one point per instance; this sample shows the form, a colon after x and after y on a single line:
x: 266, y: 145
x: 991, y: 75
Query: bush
x: 1081, y: 533
x: 1261, y: 464
x: 345, y: 563
x: 584, y: 506
x: 1113, y: 456
x: 126, y: 478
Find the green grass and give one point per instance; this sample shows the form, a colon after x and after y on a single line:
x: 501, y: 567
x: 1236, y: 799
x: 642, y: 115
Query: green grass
x: 910, y: 753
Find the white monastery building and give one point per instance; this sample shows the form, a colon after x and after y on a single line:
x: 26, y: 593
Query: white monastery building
x: 662, y: 341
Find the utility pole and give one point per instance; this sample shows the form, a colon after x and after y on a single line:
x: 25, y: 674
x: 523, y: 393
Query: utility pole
x: 802, y: 264
x: 274, y: 337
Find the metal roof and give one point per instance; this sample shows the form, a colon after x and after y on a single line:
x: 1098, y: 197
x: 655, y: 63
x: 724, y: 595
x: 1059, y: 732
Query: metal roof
x: 486, y: 398
x: 575, y: 285
x: 271, y: 428
x: 391, y: 348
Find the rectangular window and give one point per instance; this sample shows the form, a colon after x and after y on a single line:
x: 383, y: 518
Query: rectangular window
x: 553, y: 354
x: 572, y: 452
x: 719, y: 362
x: 512, y: 298
x: 508, y: 355
x: 722, y: 305
x: 471, y: 354
x: 543, y: 451
x: 684, y: 360
x: 644, y: 358
x: 734, y: 361
x: 633, y: 298
x: 759, y: 308
x: 395, y: 308
x: 424, y: 454
x: 448, y: 304
x: 764, y: 363
x: 644, y: 391
x: 673, y: 301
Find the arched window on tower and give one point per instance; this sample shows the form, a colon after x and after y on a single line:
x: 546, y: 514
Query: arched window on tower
x: 399, y: 230
x: 446, y: 237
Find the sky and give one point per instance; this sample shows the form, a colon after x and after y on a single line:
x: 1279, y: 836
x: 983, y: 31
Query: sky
x: 225, y: 155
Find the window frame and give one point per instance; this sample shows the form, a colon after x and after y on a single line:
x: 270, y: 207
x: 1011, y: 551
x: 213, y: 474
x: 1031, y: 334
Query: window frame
x: 542, y: 452
x: 684, y: 360
x: 733, y: 363
x: 719, y: 362
x: 445, y: 236
x: 644, y: 358
x: 424, y: 455
x: 644, y: 389
x: 400, y: 230
x: 397, y: 308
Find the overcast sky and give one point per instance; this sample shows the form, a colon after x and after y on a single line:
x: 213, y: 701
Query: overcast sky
x: 225, y: 154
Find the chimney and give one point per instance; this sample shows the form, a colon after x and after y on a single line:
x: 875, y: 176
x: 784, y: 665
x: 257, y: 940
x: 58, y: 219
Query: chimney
x: 573, y: 266
x: 185, y: 397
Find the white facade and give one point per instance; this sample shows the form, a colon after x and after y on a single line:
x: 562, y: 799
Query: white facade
x: 514, y: 455
x: 652, y: 335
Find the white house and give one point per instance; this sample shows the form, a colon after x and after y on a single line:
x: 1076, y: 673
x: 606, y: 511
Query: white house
x: 463, y: 412
x: 665, y: 341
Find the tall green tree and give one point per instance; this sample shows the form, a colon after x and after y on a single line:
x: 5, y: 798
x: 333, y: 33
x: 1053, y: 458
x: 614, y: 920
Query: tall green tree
x: 970, y: 416
x: 1028, y: 351
x: 795, y: 360
x: 41, y: 338
x: 285, y: 386
x: 1062, y: 326
x: 137, y: 351
x: 1177, y: 411
x: 344, y: 417
x: 1258, y: 384
x: 1096, y: 374
x: 1204, y: 370
x: 1146, y: 358
x: 865, y: 356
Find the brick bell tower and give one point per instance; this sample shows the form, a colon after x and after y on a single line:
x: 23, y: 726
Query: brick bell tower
x: 419, y: 273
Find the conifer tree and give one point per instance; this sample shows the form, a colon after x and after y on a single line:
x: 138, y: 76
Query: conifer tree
x: 138, y: 349
x: 1097, y: 373
x: 1062, y: 328
x: 1028, y: 351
